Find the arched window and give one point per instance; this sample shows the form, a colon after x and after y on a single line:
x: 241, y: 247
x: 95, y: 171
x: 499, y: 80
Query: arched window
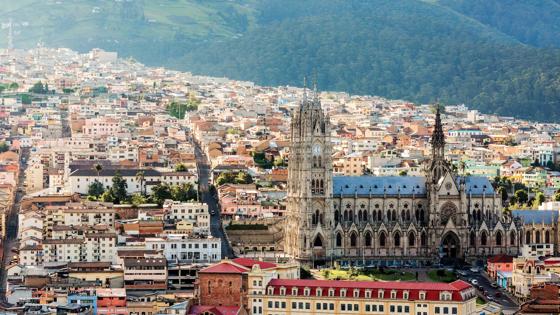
x: 382, y: 239
x: 351, y: 216
x: 338, y: 240
x: 537, y: 237
x: 360, y: 215
x: 394, y: 216
x: 423, y: 239
x: 345, y: 215
x: 379, y: 215
x: 397, y: 239
x: 336, y: 216
x: 483, y: 239
x: 408, y: 215
x: 417, y: 214
x: 547, y: 237
x: 528, y: 237
x: 367, y: 239
x: 411, y: 239
x: 353, y: 240
x: 365, y: 216
x: 421, y: 215
x: 321, y: 186
x: 472, y: 239
x: 499, y: 238
x: 512, y: 238
x: 319, y: 162
x: 403, y: 217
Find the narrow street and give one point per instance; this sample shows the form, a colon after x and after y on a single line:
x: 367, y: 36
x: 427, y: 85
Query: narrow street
x: 10, y: 240
x: 207, y: 197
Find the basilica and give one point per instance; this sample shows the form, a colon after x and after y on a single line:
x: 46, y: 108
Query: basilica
x: 396, y: 219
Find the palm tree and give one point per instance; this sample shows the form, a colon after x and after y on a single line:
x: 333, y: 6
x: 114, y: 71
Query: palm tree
x: 140, y: 177
x: 98, y: 168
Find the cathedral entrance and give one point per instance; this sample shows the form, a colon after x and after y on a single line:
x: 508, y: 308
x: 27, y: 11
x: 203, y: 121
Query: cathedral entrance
x: 450, y: 247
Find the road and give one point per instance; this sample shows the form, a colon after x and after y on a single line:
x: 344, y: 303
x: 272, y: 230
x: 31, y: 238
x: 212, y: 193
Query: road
x: 10, y: 240
x: 483, y: 281
x: 206, y: 196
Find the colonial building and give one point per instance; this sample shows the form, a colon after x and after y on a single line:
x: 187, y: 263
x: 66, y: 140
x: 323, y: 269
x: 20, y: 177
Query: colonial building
x: 390, y: 219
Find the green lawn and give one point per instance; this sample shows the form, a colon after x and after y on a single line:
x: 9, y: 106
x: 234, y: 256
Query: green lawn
x: 480, y: 301
x: 444, y: 276
x: 368, y: 275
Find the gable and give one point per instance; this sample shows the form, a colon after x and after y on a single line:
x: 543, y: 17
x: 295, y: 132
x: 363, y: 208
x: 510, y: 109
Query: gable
x: 447, y: 186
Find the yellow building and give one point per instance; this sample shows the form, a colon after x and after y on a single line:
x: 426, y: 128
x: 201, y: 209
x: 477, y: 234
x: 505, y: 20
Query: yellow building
x: 286, y: 296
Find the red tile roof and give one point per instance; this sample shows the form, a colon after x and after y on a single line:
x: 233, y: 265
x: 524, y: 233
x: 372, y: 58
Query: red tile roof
x: 224, y: 267
x: 432, y: 289
x: 246, y: 262
x: 217, y: 310
x: 500, y: 259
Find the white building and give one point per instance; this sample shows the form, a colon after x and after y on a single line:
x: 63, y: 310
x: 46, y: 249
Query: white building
x: 81, y: 179
x: 194, y: 213
x: 187, y: 249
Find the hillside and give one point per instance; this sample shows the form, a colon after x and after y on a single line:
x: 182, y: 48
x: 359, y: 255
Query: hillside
x: 494, y: 55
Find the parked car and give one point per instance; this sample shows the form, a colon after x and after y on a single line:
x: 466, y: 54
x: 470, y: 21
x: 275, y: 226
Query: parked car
x: 494, y: 285
x: 473, y: 281
x: 498, y: 295
x: 475, y: 269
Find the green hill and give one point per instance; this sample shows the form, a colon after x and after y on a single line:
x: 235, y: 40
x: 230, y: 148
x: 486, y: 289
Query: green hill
x: 495, y: 55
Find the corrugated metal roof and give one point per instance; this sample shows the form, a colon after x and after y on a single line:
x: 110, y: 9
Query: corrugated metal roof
x: 379, y: 185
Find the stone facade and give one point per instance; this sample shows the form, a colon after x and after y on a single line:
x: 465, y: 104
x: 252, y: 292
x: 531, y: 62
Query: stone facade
x: 394, y: 219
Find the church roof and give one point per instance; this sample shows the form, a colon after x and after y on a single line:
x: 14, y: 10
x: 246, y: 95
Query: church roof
x: 536, y: 216
x: 478, y: 185
x: 379, y: 185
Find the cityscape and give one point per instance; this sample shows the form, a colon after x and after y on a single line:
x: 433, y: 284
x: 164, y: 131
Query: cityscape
x: 130, y: 189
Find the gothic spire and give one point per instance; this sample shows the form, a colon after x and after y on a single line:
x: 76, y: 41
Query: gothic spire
x: 304, y: 91
x: 438, y: 138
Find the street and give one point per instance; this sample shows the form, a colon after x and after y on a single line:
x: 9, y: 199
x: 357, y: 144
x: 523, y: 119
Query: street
x: 10, y: 241
x: 485, y: 284
x: 206, y: 196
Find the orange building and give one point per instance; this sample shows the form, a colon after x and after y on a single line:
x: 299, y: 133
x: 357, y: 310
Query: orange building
x: 499, y: 263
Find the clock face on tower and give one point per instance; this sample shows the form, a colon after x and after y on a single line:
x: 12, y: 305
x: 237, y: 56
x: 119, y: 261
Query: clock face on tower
x: 316, y: 149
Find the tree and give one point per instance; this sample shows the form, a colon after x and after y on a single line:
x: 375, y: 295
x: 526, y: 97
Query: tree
x: 557, y: 196
x: 138, y: 199
x: 140, y: 177
x: 225, y: 178
x: 160, y: 193
x: 243, y: 178
x: 39, y: 88
x: 503, y: 193
x: 13, y: 86
x: 403, y: 173
x: 521, y: 196
x: 183, y: 192
x: 4, y: 147
x: 181, y: 168
x: 119, y: 188
x: 98, y: 168
x: 108, y: 195
x: 539, y: 199
x: 96, y: 189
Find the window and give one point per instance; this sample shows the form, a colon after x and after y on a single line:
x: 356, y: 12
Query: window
x: 453, y: 310
x: 392, y: 308
x: 343, y: 307
x: 380, y: 294
x: 422, y: 295
x: 343, y: 292
x: 405, y: 295
x: 331, y: 307
x: 368, y: 308
x: 318, y: 292
x: 306, y: 291
x: 318, y: 306
x: 437, y: 310
x: 294, y: 291
x: 399, y: 308
x: 282, y: 290
x: 269, y: 304
x: 393, y: 294
x: 307, y: 306
x: 446, y: 310
x: 276, y: 304
x: 331, y: 292
x: 368, y: 294
x: 406, y: 309
x: 382, y: 240
x: 294, y: 305
x: 356, y: 293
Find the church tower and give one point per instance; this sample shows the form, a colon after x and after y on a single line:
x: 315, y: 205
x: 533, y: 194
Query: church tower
x: 309, y: 198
